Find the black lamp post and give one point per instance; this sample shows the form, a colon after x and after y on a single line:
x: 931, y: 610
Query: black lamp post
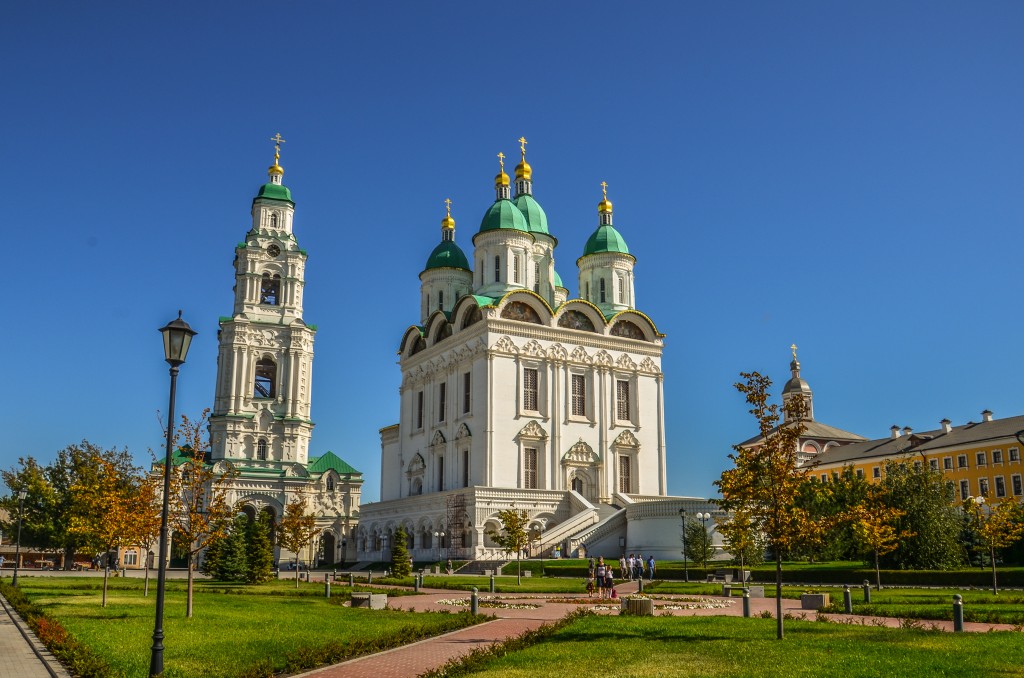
x: 686, y: 571
x: 704, y: 517
x: 177, y: 338
x: 17, y: 549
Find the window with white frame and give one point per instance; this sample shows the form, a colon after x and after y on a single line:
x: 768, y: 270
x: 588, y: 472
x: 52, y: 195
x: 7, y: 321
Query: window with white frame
x: 530, y: 389
x: 625, y: 474
x: 1018, y: 485
x: 947, y: 463
x: 530, y: 468
x: 419, y: 409
x: 933, y: 464
x: 622, y: 290
x: 536, y: 276
x: 330, y: 483
x: 622, y: 399
x: 442, y: 399
x: 1014, y: 454
x: 579, y: 395
x: 876, y: 472
x: 965, y: 490
x: 467, y: 391
x: 601, y: 291
x: 980, y: 459
x: 983, y: 487
x: 261, y: 450
x: 961, y: 461
x: 497, y: 268
x: 1000, y: 487
x: 860, y: 473
x: 515, y: 268
x: 997, y: 457
x: 131, y: 557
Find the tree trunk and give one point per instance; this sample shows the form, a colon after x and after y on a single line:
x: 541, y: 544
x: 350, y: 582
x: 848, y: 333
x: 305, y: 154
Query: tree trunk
x: 778, y: 594
x: 188, y: 598
x: 519, y: 566
x: 145, y: 590
x: 106, y: 573
x: 296, y: 570
x: 69, y: 558
x: 992, y: 556
x: 878, y: 574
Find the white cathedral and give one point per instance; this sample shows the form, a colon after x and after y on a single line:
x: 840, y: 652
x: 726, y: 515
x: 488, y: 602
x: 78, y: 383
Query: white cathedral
x: 515, y: 396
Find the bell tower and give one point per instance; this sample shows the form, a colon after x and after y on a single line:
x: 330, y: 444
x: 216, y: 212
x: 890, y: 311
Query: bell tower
x: 265, y: 358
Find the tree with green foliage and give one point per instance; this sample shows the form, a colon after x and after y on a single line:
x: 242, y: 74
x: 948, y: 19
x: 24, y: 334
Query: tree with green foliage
x: 513, y: 537
x: 930, y: 513
x: 401, y: 564
x: 764, y: 485
x: 259, y: 552
x: 296, y: 530
x: 699, y: 544
x: 214, y: 553
x: 743, y: 539
x: 829, y: 504
x: 875, y: 526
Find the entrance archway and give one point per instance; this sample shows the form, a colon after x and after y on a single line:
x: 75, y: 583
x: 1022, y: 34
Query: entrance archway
x: 327, y: 549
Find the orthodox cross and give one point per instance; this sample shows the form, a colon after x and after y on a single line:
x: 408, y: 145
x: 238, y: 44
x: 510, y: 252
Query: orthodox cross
x: 501, y: 160
x: 604, y: 189
x: 793, y: 348
x: 448, y: 205
x: 522, y: 146
x: 277, y: 145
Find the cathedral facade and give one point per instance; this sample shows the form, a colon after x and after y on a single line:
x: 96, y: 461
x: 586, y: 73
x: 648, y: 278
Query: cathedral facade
x: 260, y: 424
x: 513, y: 395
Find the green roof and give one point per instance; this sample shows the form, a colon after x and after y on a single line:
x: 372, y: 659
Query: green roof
x: 484, y: 301
x: 558, y: 280
x: 536, y: 220
x: 329, y: 460
x: 503, y: 214
x: 447, y: 255
x: 605, y: 239
x: 275, y: 192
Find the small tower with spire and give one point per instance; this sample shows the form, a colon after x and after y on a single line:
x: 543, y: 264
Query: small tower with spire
x: 447, y: 275
x: 796, y: 387
x: 503, y: 246
x: 606, y: 267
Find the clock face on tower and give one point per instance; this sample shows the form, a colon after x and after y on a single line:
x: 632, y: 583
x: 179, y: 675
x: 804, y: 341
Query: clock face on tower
x: 274, y: 251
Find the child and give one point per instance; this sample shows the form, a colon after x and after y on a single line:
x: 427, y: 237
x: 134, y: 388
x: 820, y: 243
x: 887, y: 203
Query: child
x: 590, y: 586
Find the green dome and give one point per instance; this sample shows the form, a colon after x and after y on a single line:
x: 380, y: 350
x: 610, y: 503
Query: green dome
x: 447, y: 255
x: 605, y: 239
x: 536, y: 220
x: 275, y: 192
x: 558, y: 280
x: 504, y: 214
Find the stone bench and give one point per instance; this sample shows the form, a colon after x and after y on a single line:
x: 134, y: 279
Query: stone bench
x: 372, y: 601
x: 642, y: 607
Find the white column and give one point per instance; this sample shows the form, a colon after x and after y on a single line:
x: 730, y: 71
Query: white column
x: 662, y: 481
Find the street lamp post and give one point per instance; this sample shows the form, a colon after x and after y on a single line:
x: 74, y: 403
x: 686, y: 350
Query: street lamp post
x: 686, y: 571
x: 177, y: 338
x: 704, y: 517
x: 17, y: 549
x: 438, y: 536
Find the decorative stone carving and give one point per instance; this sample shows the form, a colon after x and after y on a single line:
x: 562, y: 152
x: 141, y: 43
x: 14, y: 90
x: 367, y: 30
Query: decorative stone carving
x: 438, y: 439
x: 534, y: 349
x: 580, y: 355
x: 463, y: 432
x: 416, y: 465
x: 603, y: 359
x: 558, y: 352
x: 626, y: 439
x: 505, y: 345
x: 533, y: 430
x: 581, y: 453
x: 625, y: 362
x: 649, y: 366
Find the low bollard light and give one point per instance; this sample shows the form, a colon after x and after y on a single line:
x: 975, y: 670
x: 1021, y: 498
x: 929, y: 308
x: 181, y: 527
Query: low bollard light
x: 958, y: 613
x: 369, y: 577
x: 327, y: 577
x: 492, y: 583
x: 327, y: 588
x: 847, y: 599
x: 867, y: 591
x: 474, y: 602
x: 351, y: 579
x: 335, y: 574
x: 641, y: 584
x: 416, y: 582
x: 746, y: 602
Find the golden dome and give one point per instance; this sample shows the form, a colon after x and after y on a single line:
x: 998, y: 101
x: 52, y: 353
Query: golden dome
x: 524, y: 171
x: 501, y: 179
x: 275, y: 169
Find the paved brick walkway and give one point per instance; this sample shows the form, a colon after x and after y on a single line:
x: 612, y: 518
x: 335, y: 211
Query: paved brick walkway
x: 17, y: 657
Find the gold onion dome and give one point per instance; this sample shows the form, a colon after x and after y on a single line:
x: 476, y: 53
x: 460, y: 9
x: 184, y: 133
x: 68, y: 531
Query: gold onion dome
x: 605, y: 206
x: 448, y: 221
x: 523, y: 169
x: 501, y: 179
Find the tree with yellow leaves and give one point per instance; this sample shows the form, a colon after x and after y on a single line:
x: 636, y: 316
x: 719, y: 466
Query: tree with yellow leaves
x: 876, y: 526
x: 199, y: 511
x: 103, y: 507
x: 997, y: 525
x: 763, y: 486
x: 144, y: 521
x: 296, y: 530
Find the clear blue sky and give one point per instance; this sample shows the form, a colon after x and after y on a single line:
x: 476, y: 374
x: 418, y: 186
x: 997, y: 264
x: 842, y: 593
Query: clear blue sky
x: 846, y: 176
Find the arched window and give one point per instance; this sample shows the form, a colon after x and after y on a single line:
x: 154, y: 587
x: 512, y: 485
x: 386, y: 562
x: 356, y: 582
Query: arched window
x: 577, y: 485
x: 586, y: 294
x: 261, y: 450
x: 330, y: 483
x: 266, y: 375
x: 515, y: 268
x: 601, y: 291
x: 273, y: 219
x: 622, y: 290
x: 536, y: 276
x: 270, y: 289
x: 481, y: 269
x: 440, y: 300
x: 497, y: 268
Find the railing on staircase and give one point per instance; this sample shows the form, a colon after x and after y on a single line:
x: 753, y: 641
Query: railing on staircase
x: 614, y: 522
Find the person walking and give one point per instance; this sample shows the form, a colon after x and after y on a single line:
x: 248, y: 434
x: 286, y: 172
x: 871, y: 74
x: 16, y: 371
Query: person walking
x: 622, y: 566
x: 600, y: 574
x: 650, y: 568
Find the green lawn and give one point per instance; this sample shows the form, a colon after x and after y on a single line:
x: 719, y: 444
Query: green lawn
x: 650, y: 647
x: 502, y: 584
x: 236, y: 630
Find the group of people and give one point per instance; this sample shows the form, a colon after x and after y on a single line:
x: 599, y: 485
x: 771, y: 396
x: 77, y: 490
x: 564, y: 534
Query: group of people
x: 633, y: 566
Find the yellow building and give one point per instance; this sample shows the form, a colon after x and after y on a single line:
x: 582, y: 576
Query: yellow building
x: 982, y: 459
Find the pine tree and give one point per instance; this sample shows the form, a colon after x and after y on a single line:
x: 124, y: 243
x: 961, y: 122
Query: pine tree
x: 212, y: 557
x: 233, y: 560
x: 259, y: 551
x: 400, y: 564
